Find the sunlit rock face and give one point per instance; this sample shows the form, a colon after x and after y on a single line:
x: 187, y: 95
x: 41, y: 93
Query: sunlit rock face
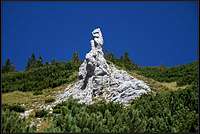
x: 98, y: 79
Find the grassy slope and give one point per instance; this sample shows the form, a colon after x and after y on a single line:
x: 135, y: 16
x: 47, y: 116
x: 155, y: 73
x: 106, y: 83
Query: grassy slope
x: 34, y: 101
x: 31, y: 101
x: 182, y: 74
x: 37, y: 79
x: 28, y: 99
x: 156, y: 85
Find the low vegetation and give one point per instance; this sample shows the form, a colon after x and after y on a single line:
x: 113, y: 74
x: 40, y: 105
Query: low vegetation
x: 40, y: 76
x: 49, y: 100
x: 14, y: 107
x: 183, y: 74
x: 40, y: 113
x: 172, y: 108
x: 29, y: 99
x: 161, y: 112
x: 12, y: 123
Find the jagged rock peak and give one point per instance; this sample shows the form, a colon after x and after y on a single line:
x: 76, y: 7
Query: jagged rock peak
x: 98, y: 79
x: 97, y: 37
x: 94, y: 63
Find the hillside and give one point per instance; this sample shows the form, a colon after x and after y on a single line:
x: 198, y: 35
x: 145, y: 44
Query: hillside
x: 172, y: 107
x: 39, y: 78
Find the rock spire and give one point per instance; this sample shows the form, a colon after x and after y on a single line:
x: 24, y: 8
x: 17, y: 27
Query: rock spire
x: 98, y: 79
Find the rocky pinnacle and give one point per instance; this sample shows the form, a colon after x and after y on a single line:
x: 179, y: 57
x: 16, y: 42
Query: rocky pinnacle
x: 99, y: 80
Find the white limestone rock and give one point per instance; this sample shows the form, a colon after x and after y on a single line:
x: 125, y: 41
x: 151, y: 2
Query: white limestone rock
x: 26, y: 114
x: 97, y: 78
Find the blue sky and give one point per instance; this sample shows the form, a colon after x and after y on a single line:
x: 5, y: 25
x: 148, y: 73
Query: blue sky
x: 153, y: 33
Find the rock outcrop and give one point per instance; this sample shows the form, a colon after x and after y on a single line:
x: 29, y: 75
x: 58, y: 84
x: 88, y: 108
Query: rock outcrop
x: 98, y: 79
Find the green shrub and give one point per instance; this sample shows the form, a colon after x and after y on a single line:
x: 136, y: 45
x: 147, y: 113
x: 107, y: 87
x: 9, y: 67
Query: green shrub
x: 37, y: 92
x: 11, y: 123
x: 183, y: 74
x: 41, y: 113
x: 49, y: 100
x: 14, y: 107
x: 165, y: 112
x: 38, y: 78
